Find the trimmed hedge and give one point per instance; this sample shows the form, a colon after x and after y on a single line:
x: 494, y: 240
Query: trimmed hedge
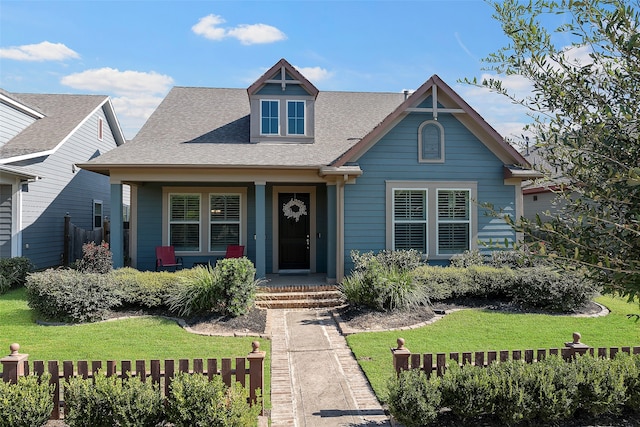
x: 26, y: 404
x: 110, y: 401
x: 148, y: 289
x: 196, y: 401
x: 514, y: 393
x: 67, y: 295
x: 13, y: 272
x: 548, y: 289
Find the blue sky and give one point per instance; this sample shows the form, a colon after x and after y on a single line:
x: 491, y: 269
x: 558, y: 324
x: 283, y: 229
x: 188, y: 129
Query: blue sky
x: 135, y: 51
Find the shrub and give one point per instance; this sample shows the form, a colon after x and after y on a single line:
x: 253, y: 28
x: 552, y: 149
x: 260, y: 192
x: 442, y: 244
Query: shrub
x: 145, y: 288
x: 553, y: 386
x: 14, y: 271
x: 517, y: 258
x: 196, y: 401
x: 110, y: 401
x: 467, y: 259
x: 601, y: 389
x: 95, y: 258
x: 238, y: 284
x: 71, y: 296
x: 402, y: 260
x: 26, y: 404
x: 197, y: 292
x: 630, y: 366
x: 547, y: 289
x: 5, y: 284
x: 489, y: 281
x: 467, y: 391
x: 384, y: 288
x: 414, y: 400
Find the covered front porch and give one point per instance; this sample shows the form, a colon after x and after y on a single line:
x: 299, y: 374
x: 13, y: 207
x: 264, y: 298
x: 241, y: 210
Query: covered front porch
x: 288, y: 221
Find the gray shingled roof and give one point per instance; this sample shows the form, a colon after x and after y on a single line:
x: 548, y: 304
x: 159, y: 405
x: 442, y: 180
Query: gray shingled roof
x: 62, y: 114
x: 210, y: 127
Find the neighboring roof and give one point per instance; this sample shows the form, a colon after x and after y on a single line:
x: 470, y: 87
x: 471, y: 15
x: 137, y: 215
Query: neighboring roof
x: 62, y: 115
x: 22, y: 173
x: 210, y: 128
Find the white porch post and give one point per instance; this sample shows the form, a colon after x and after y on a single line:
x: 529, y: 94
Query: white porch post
x: 261, y: 234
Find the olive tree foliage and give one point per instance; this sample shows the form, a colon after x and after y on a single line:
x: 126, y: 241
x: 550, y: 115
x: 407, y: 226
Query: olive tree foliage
x: 585, y: 105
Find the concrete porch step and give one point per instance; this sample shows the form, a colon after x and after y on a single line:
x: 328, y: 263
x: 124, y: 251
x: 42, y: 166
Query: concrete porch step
x: 324, y: 296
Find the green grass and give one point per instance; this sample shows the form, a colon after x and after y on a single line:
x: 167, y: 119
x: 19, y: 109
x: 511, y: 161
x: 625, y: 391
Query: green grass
x: 481, y: 330
x: 144, y: 338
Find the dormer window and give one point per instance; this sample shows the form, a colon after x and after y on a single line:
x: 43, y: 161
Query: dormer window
x: 295, y: 117
x: 269, y: 114
x: 282, y: 105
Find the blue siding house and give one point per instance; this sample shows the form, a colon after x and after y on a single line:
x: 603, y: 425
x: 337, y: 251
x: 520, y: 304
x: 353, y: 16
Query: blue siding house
x: 42, y: 137
x: 302, y: 177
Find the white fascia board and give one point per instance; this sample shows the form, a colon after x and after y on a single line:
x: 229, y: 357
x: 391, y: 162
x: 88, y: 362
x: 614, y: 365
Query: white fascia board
x: 20, y: 106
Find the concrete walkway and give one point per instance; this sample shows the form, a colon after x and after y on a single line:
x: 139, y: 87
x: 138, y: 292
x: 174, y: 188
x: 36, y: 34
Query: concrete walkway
x: 315, y: 380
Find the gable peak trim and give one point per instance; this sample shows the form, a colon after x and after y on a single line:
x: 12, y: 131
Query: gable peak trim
x: 282, y: 67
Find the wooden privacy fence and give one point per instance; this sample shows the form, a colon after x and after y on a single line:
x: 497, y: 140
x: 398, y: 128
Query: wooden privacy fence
x: 248, y: 371
x: 75, y: 237
x: 403, y: 359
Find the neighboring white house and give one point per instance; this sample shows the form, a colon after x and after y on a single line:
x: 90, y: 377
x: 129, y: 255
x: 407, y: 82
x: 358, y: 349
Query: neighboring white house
x: 42, y: 138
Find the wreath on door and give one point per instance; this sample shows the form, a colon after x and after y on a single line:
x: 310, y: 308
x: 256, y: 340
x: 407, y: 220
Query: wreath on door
x: 294, y: 209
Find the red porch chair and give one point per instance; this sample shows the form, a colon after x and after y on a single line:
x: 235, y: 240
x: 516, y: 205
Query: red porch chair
x: 235, y: 251
x: 166, y: 258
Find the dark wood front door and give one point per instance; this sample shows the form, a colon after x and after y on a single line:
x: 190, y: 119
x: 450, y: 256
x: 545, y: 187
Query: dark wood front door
x: 293, y: 226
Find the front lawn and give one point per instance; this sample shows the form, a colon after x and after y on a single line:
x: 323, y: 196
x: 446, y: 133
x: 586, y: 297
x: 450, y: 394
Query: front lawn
x: 481, y: 330
x: 143, y: 338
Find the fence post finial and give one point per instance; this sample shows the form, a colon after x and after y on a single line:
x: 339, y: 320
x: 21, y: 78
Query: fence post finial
x: 13, y: 364
x: 401, y: 356
x: 256, y: 373
x: 575, y: 346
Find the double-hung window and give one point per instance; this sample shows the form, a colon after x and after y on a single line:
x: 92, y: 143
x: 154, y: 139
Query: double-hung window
x: 436, y: 218
x: 295, y: 118
x: 97, y: 214
x: 410, y: 219
x: 269, y: 117
x: 184, y: 222
x: 454, y: 221
x: 225, y: 215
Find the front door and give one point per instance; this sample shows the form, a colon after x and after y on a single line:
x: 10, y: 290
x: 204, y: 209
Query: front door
x: 294, y: 231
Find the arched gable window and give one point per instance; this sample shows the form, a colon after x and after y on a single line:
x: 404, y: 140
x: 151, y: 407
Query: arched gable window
x: 431, y: 142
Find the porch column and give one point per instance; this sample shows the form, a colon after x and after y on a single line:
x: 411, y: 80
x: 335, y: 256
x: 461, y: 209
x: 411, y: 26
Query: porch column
x: 261, y: 234
x: 117, y: 234
x: 332, y: 214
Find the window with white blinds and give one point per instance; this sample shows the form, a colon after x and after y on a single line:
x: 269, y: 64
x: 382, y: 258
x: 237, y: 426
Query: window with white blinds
x: 437, y: 218
x: 184, y: 222
x: 225, y: 215
x: 454, y: 221
x: 410, y: 219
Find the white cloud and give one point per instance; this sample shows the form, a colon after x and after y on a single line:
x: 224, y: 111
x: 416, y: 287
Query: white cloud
x: 257, y: 34
x: 247, y: 34
x: 134, y: 111
x: 44, y: 51
x: 119, y: 82
x: 207, y: 27
x: 137, y: 94
x: 314, y: 74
